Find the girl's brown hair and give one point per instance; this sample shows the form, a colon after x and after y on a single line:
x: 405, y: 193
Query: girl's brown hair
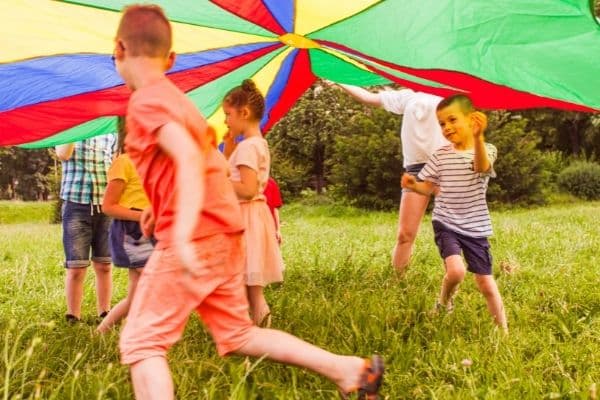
x: 247, y: 94
x: 122, y: 132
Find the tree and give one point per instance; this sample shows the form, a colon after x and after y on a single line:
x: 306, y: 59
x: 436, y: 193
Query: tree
x: 521, y: 177
x: 303, y: 141
x: 25, y: 174
x: 367, y: 162
x: 574, y: 134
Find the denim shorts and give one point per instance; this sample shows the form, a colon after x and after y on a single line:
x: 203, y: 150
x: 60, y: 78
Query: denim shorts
x: 475, y: 250
x: 128, y: 246
x: 85, y: 228
x: 413, y: 170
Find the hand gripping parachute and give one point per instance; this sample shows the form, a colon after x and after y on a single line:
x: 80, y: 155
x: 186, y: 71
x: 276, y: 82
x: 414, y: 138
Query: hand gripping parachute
x: 58, y: 83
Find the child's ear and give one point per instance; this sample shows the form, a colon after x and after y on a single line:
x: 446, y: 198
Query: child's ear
x: 245, y: 112
x: 171, y: 60
x: 472, y: 120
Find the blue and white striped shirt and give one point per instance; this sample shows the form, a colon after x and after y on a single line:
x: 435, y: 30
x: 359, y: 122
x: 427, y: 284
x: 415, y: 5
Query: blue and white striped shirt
x: 460, y: 204
x: 84, y: 174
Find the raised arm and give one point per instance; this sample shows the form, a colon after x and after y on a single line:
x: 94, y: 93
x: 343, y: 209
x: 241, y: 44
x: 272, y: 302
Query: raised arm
x: 64, y: 151
x: 481, y: 161
x: 361, y: 94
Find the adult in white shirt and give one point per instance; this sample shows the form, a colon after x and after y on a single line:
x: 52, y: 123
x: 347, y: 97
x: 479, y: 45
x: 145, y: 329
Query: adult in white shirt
x: 421, y: 135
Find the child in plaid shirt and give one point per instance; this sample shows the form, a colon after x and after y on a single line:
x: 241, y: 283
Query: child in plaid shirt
x: 85, y: 227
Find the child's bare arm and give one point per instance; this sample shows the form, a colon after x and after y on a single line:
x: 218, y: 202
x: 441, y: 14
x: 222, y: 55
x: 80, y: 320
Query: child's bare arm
x: 360, y: 94
x: 277, y: 225
x: 425, y: 188
x: 481, y: 161
x: 110, y: 203
x: 247, y: 188
x: 64, y: 151
x: 188, y: 158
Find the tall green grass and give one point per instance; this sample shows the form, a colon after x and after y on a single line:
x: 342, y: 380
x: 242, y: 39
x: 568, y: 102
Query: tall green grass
x: 15, y: 212
x: 340, y: 293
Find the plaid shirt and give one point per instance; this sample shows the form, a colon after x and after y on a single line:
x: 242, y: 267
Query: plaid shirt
x: 84, y: 174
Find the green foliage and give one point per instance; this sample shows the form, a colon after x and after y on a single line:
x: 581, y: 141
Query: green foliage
x: 366, y: 165
x: 17, y: 212
x: 26, y: 174
x: 56, y: 217
x: 323, y: 123
x: 573, y: 133
x: 303, y: 141
x: 581, y: 179
x: 521, y: 177
x: 339, y: 293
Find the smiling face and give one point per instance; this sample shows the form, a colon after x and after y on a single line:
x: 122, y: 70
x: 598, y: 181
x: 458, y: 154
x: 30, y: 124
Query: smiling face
x: 456, y: 126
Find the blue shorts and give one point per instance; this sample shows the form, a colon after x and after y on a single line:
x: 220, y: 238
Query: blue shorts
x: 475, y: 250
x: 128, y: 246
x: 413, y: 170
x: 85, y: 228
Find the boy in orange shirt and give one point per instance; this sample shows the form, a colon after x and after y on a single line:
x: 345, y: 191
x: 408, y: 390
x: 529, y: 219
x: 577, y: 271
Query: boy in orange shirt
x: 199, y: 259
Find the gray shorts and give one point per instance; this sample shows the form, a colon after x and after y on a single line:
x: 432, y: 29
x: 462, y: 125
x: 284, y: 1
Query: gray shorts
x: 413, y: 169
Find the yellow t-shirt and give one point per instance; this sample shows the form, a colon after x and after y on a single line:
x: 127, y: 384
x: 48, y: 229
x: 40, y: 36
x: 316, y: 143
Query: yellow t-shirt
x: 133, y: 196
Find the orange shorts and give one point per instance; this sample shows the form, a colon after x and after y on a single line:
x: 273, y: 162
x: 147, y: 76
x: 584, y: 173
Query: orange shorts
x: 166, y: 295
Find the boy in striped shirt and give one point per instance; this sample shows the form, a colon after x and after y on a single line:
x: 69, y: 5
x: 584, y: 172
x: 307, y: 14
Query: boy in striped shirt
x: 458, y: 174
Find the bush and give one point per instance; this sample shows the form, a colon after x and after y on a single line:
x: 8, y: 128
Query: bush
x: 366, y: 166
x: 522, y: 177
x: 581, y: 179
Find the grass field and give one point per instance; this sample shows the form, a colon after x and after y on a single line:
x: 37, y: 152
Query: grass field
x: 340, y: 293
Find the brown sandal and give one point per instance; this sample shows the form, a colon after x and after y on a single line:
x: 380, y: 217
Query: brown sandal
x: 370, y: 380
x: 265, y: 322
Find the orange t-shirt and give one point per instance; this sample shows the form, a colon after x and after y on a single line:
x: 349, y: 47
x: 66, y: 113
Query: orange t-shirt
x: 150, y: 108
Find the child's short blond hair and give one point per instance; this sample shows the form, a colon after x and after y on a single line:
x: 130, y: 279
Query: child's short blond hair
x: 145, y: 31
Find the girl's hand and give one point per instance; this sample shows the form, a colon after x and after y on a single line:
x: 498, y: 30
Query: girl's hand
x: 480, y: 122
x: 278, y: 237
x: 228, y: 137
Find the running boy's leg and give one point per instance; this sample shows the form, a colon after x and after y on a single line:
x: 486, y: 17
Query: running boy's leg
x: 488, y: 287
x: 455, y: 274
x: 152, y: 379
x: 450, y: 248
x: 411, y: 212
x: 344, y: 371
x: 156, y: 320
x: 225, y: 313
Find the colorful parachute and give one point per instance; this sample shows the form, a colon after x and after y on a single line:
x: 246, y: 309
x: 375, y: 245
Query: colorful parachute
x: 58, y: 84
